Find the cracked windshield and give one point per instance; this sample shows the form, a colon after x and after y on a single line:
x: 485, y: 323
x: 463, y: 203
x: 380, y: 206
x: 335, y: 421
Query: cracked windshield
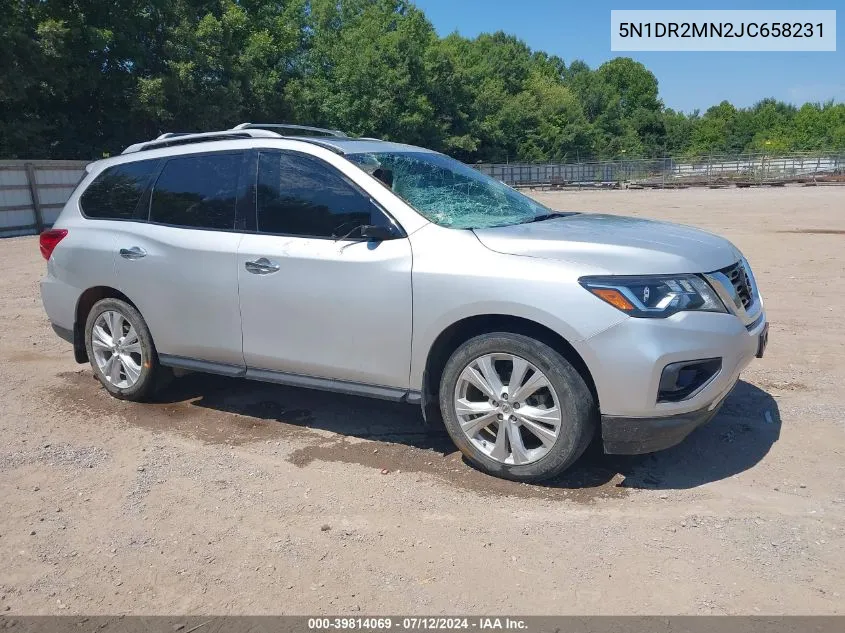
x: 448, y: 192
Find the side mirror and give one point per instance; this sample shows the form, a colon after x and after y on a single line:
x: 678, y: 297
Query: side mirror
x: 379, y: 232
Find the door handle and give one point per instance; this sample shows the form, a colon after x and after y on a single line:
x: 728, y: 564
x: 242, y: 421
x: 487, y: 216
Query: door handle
x: 136, y: 252
x: 261, y: 266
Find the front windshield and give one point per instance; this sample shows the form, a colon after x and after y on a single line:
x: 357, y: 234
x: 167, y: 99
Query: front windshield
x: 448, y: 192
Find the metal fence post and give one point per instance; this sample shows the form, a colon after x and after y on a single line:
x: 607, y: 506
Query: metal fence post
x: 33, y: 193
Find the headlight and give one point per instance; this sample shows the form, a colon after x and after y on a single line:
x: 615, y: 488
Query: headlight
x: 655, y: 296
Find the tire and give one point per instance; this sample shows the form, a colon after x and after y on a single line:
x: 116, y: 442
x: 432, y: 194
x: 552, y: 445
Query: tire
x: 135, y: 357
x: 562, y: 395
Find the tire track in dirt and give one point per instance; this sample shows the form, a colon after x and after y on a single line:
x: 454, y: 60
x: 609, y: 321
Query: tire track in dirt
x: 238, y: 412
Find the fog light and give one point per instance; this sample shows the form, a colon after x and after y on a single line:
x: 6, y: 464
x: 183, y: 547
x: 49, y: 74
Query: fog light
x: 680, y: 380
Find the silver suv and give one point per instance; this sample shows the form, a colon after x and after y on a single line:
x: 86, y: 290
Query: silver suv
x: 379, y: 269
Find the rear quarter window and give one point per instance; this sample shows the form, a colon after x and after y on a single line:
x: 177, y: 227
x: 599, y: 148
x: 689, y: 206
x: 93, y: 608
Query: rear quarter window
x: 115, y: 193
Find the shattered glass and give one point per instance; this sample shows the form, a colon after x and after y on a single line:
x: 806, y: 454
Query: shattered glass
x: 448, y: 192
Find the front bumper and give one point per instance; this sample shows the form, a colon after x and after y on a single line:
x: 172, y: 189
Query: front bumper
x: 626, y: 361
x: 634, y: 436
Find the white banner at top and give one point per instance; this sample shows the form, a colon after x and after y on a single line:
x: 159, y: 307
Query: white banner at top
x: 682, y: 30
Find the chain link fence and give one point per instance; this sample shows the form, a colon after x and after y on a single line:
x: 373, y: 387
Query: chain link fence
x: 33, y: 192
x: 714, y: 171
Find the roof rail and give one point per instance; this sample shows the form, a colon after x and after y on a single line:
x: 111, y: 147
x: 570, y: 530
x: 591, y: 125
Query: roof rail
x: 319, y: 141
x: 289, y: 126
x: 171, y: 139
x: 171, y: 135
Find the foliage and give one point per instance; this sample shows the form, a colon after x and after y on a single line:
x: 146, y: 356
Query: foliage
x: 84, y: 78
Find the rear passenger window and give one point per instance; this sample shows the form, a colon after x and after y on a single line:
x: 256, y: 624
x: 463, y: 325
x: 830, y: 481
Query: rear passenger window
x: 197, y: 191
x: 115, y: 193
x: 298, y: 195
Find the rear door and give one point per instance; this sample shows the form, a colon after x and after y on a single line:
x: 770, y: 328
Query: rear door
x: 316, y: 299
x: 109, y: 206
x: 179, y: 263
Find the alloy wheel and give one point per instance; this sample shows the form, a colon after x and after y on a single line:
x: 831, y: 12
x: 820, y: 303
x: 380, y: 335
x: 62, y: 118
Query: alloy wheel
x: 507, y: 408
x: 117, y: 349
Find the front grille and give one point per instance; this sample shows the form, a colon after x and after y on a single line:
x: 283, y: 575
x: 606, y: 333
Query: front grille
x: 741, y: 283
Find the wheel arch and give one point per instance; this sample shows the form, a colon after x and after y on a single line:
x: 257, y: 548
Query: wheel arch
x: 461, y: 331
x: 84, y: 304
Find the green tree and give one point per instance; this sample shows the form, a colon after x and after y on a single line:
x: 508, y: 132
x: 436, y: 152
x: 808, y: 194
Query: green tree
x: 365, y: 70
x: 83, y: 78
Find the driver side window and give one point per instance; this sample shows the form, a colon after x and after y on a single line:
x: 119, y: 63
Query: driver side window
x: 301, y: 195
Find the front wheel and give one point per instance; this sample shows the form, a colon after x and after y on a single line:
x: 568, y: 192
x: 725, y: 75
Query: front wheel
x: 121, y: 350
x: 515, y: 407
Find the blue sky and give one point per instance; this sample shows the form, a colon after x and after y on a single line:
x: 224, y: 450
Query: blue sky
x: 688, y: 80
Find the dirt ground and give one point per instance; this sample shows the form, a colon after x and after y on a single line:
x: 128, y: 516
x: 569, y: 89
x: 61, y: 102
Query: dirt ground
x: 237, y: 497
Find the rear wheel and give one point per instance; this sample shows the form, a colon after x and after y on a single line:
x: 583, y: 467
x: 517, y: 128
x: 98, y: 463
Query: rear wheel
x: 515, y: 407
x: 121, y: 350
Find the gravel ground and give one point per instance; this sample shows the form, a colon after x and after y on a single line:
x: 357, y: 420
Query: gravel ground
x: 235, y: 497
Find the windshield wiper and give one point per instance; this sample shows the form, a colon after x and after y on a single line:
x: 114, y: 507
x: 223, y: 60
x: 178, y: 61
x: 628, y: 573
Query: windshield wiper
x: 338, y: 238
x: 540, y: 218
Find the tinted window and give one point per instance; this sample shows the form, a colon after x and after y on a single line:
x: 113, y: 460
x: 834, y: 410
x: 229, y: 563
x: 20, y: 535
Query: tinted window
x: 197, y: 191
x: 298, y: 195
x: 114, y: 194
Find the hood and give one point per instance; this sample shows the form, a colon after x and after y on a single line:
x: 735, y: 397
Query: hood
x: 619, y: 245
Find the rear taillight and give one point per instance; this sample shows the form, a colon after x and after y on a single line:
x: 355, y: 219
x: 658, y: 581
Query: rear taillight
x: 49, y: 239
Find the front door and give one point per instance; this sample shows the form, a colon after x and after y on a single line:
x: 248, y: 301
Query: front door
x: 316, y: 299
